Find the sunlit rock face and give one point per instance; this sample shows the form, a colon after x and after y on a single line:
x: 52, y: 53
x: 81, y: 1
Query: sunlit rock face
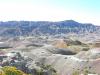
x: 23, y: 28
x: 97, y: 44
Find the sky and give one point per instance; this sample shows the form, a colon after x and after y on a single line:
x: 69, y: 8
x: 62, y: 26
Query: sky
x: 83, y: 11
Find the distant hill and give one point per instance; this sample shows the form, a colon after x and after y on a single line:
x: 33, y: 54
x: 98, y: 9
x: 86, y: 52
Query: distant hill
x: 25, y: 28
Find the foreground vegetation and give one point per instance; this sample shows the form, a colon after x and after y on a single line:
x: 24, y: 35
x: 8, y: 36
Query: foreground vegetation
x: 10, y: 70
x: 7, y: 70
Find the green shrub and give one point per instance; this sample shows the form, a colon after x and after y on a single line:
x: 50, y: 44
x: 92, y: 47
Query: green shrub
x: 75, y: 73
x: 12, y: 71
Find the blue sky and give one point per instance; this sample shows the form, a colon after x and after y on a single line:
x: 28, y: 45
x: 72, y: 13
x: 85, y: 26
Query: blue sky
x: 85, y: 11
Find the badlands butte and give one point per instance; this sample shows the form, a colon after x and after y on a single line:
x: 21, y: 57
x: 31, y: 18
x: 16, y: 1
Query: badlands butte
x: 49, y: 48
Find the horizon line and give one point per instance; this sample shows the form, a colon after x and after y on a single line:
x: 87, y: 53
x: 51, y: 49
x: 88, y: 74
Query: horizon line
x: 49, y: 21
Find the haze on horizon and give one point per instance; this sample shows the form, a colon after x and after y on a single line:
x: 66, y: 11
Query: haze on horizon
x: 84, y: 11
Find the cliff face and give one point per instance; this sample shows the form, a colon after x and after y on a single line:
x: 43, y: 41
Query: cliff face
x: 25, y: 28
